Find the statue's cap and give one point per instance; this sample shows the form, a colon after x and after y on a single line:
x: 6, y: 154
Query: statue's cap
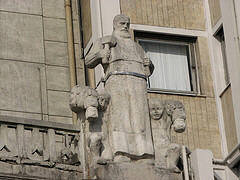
x: 120, y: 17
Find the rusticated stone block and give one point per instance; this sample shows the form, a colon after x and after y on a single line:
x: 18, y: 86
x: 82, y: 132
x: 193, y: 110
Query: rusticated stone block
x: 22, y: 37
x: 22, y: 6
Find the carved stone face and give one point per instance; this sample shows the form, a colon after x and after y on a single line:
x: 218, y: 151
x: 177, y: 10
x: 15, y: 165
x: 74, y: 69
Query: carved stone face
x: 103, y: 101
x: 121, y: 28
x: 156, y: 111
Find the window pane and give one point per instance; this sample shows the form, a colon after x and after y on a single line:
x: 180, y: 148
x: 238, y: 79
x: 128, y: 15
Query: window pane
x: 171, y: 65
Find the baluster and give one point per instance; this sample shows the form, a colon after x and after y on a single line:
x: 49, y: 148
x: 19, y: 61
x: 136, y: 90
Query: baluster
x: 3, y: 137
x: 37, y: 146
x: 20, y: 142
x: 67, y: 141
x: 52, y: 145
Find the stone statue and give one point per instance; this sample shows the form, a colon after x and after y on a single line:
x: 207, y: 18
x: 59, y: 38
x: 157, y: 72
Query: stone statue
x: 98, y: 132
x: 118, y: 130
x: 84, y: 98
x: 126, y: 70
x: 103, y: 100
x: 166, y: 115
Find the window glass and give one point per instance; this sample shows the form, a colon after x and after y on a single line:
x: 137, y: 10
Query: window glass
x: 171, y: 65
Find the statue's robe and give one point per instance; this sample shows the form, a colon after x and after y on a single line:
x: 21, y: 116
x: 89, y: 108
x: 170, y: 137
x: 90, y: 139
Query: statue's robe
x: 129, y: 121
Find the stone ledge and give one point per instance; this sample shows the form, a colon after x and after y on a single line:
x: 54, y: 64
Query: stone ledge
x: 17, y: 161
x: 133, y: 171
x: 22, y: 171
x: 39, y: 123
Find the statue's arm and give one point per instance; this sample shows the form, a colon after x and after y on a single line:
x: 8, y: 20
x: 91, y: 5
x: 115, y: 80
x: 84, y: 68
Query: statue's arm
x: 147, y: 63
x: 95, y: 56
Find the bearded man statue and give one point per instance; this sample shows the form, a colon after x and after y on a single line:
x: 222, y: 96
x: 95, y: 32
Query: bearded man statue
x: 126, y: 70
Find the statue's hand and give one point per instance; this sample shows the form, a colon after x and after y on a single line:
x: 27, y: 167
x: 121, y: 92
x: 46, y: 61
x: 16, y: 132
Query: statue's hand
x: 146, y: 62
x: 148, y: 66
x: 104, y: 54
x: 179, y: 125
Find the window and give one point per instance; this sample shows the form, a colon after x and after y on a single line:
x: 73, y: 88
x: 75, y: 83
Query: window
x: 174, y: 61
x: 220, y: 37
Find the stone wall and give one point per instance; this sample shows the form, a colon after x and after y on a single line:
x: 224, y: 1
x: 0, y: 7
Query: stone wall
x: 35, y: 86
x: 34, y: 61
x: 187, y: 14
x: 202, y: 121
x: 215, y: 11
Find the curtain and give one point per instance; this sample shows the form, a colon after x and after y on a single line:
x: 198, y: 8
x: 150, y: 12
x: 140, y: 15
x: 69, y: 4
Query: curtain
x: 171, y: 65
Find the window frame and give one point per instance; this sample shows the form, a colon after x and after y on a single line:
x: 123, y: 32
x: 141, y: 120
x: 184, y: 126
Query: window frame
x: 190, y: 42
x: 219, y: 35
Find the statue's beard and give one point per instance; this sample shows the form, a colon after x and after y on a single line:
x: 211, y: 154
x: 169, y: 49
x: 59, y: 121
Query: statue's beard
x: 122, y: 33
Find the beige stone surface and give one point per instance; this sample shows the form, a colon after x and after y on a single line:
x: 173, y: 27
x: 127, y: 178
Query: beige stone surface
x: 22, y: 6
x: 20, y: 86
x: 57, y: 54
x: 205, y: 73
x: 75, y: 9
x: 58, y: 103
x: 187, y: 14
x: 60, y: 119
x: 55, y: 29
x: 215, y: 11
x: 53, y: 8
x: 76, y: 32
x: 79, y: 61
x: 21, y: 37
x: 80, y: 76
x: 58, y: 78
x: 38, y: 172
x: 36, y: 116
x: 133, y: 171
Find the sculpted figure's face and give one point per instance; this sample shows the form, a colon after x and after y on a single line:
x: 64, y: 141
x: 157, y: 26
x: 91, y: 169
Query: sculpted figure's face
x: 156, y: 111
x: 121, y: 28
x: 103, y: 102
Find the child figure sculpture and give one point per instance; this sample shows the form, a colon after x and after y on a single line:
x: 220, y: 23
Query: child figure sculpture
x: 166, y: 115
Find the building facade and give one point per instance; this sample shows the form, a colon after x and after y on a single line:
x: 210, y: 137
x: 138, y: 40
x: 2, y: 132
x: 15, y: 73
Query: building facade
x: 194, y: 45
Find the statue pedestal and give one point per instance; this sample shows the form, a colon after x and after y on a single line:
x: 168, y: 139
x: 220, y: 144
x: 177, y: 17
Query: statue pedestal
x: 133, y: 171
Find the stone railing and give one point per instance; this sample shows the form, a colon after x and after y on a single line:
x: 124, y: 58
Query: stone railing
x: 40, y: 143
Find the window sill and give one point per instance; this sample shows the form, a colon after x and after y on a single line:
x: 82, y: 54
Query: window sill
x: 173, y: 92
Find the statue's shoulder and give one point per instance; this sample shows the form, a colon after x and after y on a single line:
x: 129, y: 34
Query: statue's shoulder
x: 97, y: 42
x: 140, y: 49
x: 109, y: 39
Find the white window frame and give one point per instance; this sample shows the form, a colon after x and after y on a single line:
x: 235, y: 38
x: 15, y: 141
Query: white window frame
x: 192, y: 63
